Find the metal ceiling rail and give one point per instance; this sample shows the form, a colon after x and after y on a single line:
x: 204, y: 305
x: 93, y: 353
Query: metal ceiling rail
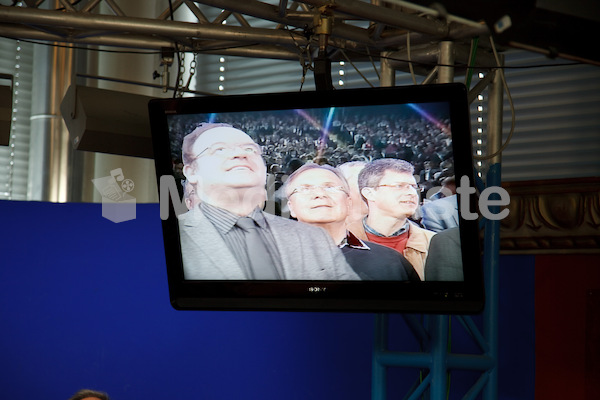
x: 290, y: 17
x: 385, y: 15
x: 155, y: 43
x: 73, y: 21
x: 382, y: 28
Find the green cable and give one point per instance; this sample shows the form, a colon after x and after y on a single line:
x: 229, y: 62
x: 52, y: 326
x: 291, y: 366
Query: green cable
x: 471, y: 62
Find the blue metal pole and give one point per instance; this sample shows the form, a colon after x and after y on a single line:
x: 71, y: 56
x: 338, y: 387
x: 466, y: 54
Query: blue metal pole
x: 476, y: 388
x: 405, y: 359
x: 378, y: 367
x: 490, y: 262
x: 416, y: 327
x: 491, y: 244
x: 418, y: 392
x: 473, y: 330
x: 439, y: 352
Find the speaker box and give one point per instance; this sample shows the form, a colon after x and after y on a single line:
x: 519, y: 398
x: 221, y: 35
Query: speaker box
x: 5, y: 114
x: 107, y: 121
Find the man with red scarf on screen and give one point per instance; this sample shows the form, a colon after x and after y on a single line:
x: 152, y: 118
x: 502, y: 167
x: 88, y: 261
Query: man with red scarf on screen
x: 392, y: 194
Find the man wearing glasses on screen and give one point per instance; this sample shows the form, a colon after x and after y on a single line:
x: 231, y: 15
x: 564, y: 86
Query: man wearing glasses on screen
x: 392, y: 195
x: 319, y: 195
x: 227, y: 235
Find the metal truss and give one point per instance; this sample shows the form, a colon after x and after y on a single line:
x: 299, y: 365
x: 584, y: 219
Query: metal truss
x: 398, y: 34
x: 289, y: 30
x: 433, y: 331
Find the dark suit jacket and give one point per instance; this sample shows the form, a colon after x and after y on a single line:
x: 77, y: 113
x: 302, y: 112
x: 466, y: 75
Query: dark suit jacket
x: 444, y: 262
x: 307, y: 252
x: 417, y: 246
x: 379, y: 263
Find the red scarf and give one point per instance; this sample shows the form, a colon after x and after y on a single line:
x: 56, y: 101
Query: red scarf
x: 397, y: 243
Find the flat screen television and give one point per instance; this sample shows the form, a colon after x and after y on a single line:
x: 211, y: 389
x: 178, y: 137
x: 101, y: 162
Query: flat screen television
x: 427, y: 126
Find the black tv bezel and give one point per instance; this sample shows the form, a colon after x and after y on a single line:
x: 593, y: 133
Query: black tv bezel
x: 441, y: 297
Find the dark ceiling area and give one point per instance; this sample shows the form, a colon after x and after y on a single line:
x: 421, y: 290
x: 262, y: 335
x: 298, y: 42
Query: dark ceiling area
x: 557, y: 27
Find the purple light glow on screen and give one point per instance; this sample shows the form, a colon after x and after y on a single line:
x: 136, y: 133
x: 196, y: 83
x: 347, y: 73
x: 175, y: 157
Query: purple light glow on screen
x: 424, y: 113
x: 323, y: 128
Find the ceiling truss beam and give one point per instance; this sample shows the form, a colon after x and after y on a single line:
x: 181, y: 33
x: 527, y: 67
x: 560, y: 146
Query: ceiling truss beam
x: 359, y: 30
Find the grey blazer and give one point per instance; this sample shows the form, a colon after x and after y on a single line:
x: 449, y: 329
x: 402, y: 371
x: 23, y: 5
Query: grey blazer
x: 440, y: 214
x: 307, y: 252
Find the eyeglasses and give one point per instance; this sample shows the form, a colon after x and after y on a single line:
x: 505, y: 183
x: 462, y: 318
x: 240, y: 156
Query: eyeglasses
x: 224, y: 149
x: 312, y: 189
x: 402, y: 186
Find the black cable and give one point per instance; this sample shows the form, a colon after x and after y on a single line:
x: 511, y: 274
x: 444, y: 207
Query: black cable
x: 426, y: 64
x: 178, y: 77
x: 431, y: 65
x: 149, y: 52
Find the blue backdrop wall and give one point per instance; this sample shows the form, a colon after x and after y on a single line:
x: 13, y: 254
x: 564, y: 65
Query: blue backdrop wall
x: 84, y: 304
